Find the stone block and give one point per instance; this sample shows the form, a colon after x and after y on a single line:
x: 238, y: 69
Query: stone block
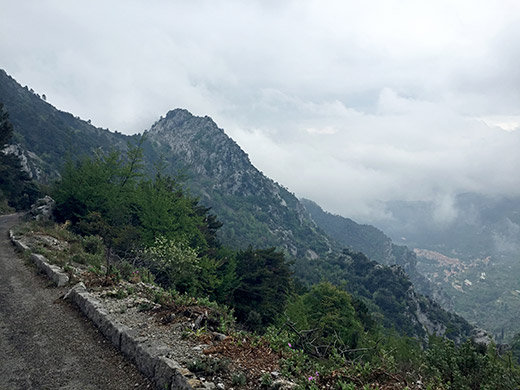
x: 52, y: 271
x: 147, y: 354
x: 113, y: 332
x: 129, y: 340
x: 165, y: 372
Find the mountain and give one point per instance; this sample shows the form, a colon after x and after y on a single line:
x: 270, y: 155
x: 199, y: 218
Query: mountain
x: 376, y: 245
x: 44, y: 136
x: 255, y: 210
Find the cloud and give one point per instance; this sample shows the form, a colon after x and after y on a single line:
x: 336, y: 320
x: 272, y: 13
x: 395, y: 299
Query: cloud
x: 344, y: 102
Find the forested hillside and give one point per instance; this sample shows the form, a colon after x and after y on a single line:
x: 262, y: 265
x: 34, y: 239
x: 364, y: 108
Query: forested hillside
x: 376, y: 245
x: 473, y: 255
x: 45, y: 136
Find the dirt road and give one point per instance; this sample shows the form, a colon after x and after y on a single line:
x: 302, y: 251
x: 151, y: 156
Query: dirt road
x: 44, y: 342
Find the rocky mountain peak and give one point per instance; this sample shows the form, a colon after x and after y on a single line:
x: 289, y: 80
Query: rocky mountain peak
x: 182, y: 122
x: 205, y: 150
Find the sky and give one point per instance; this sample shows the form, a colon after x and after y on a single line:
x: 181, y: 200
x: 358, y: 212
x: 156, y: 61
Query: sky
x: 347, y: 103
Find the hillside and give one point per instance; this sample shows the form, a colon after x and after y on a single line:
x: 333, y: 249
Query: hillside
x: 254, y: 209
x: 473, y: 257
x: 376, y: 245
x: 45, y: 136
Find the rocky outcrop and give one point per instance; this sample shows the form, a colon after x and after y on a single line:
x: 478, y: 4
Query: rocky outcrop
x: 42, y: 209
x: 30, y: 162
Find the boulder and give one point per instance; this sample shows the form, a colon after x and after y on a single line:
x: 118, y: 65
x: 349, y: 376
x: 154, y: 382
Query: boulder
x: 42, y: 209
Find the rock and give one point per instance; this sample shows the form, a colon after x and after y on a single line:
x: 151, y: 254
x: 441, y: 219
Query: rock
x: 480, y: 336
x: 219, y: 336
x: 221, y: 386
x: 42, y: 209
x: 282, y: 384
x: 200, y: 321
x: 54, y: 272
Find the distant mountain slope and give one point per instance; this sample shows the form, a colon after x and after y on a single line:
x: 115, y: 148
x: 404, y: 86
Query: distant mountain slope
x: 254, y: 209
x: 45, y: 135
x: 474, y: 255
x: 477, y: 225
x: 363, y: 238
x: 375, y: 244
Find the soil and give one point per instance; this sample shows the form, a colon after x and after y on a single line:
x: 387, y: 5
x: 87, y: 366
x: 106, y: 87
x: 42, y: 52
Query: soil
x: 45, y: 343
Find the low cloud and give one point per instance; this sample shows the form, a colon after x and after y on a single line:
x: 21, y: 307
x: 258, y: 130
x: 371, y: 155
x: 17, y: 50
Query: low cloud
x: 345, y: 103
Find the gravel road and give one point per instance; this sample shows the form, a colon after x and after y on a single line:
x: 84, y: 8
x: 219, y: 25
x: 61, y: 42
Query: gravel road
x: 45, y: 343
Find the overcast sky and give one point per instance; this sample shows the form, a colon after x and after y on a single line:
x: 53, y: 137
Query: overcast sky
x: 343, y: 102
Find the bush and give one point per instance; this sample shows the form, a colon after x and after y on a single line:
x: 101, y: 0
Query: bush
x: 93, y: 245
x: 173, y: 263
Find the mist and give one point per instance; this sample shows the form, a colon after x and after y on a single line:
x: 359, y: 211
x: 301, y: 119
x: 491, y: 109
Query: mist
x: 348, y: 104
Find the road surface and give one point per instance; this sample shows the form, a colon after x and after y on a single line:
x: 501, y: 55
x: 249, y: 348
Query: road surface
x: 45, y: 343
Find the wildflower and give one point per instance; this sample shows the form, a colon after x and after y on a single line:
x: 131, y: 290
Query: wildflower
x: 290, y: 345
x: 311, y: 378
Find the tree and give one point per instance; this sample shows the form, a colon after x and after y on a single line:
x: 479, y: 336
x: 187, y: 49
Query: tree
x: 6, y: 128
x: 173, y: 262
x: 330, y: 310
x: 264, y: 286
x: 164, y: 210
x: 16, y: 187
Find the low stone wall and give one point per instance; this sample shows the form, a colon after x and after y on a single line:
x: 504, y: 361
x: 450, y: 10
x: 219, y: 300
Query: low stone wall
x: 54, y: 272
x: 150, y: 357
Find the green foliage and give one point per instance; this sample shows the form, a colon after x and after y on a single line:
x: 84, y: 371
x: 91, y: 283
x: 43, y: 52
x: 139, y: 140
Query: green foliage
x: 6, y: 128
x: 93, y: 245
x: 266, y: 380
x: 238, y: 379
x: 515, y: 347
x: 99, y: 192
x: 173, y: 262
x: 469, y: 366
x: 264, y: 286
x: 381, y: 292
x: 165, y: 211
x: 208, y: 366
x: 17, y: 190
x: 330, y: 310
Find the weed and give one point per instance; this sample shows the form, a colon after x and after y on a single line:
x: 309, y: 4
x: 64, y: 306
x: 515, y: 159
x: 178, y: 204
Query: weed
x: 346, y: 386
x: 238, y: 379
x: 96, y: 270
x: 266, y: 380
x: 208, y: 366
x: 93, y: 245
x: 145, y: 306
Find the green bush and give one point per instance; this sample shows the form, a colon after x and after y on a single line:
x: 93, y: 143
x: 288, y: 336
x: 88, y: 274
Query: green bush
x: 93, y: 245
x: 173, y: 263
